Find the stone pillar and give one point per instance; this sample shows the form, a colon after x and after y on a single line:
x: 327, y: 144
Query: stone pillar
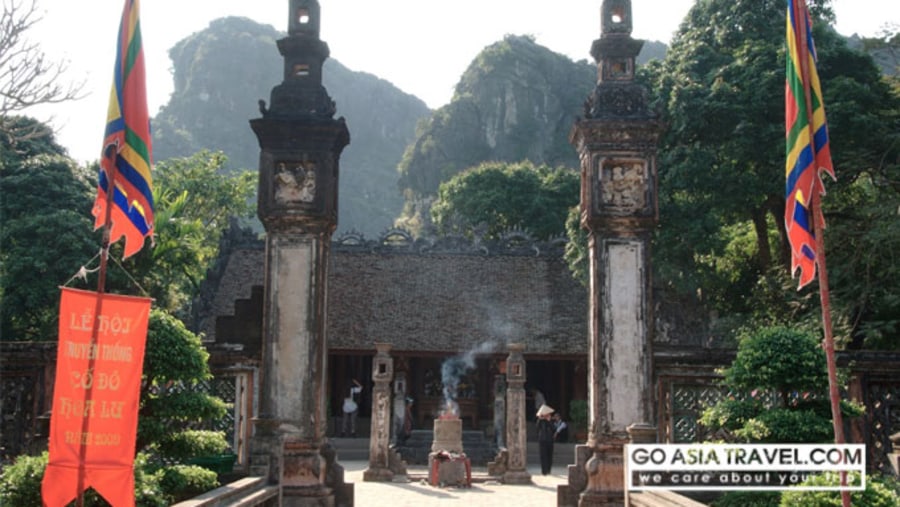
x: 639, y: 433
x: 300, y: 146
x: 516, y: 434
x: 380, y: 435
x: 616, y: 142
x: 500, y: 411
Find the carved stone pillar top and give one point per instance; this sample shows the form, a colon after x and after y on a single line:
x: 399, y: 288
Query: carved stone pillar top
x: 300, y: 140
x: 382, y: 364
x: 515, y: 365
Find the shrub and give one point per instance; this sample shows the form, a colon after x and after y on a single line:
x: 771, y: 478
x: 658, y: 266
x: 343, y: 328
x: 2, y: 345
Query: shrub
x: 192, y: 443
x: 783, y: 371
x: 20, y: 483
x: 748, y: 499
x: 880, y: 492
x: 180, y: 482
x: 578, y: 412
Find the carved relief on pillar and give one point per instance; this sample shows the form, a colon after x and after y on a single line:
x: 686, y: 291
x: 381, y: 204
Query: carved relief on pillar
x: 297, y: 188
x: 515, y: 426
x: 623, y: 185
x: 380, y: 430
x: 295, y: 182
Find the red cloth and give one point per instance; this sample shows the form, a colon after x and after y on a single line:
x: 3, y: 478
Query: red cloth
x: 95, y: 397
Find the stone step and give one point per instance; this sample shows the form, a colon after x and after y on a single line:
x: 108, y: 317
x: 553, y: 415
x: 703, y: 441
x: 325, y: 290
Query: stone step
x: 246, y: 492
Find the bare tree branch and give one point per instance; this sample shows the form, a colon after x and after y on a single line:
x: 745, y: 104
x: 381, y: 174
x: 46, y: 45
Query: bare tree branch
x: 27, y: 77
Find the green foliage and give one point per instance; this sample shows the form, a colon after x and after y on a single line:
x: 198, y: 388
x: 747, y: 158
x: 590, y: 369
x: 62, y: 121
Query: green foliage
x: 20, y: 484
x: 181, y: 482
x: 783, y: 376
x: 783, y: 424
x: 174, y: 363
x: 748, y: 499
x: 195, y: 197
x: 721, y: 233
x: 880, y: 491
x: 778, y: 359
x: 46, y: 234
x: 39, y: 141
x: 502, y: 196
x: 578, y: 412
x: 188, y: 444
x: 576, y: 253
x: 731, y: 414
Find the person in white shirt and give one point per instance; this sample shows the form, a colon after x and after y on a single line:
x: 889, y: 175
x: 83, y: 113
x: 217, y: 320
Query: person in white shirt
x: 562, y: 428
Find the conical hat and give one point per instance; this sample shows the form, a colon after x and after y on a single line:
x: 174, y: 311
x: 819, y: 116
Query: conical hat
x: 544, y: 410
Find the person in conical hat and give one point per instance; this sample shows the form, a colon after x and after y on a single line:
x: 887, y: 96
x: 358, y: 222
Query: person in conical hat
x: 545, y: 433
x: 544, y: 410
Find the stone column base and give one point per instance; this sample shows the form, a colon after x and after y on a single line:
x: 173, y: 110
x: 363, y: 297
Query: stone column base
x: 306, y: 497
x: 567, y: 494
x: 266, y: 450
x: 605, y: 476
x: 378, y: 475
x: 516, y: 477
x: 304, y: 475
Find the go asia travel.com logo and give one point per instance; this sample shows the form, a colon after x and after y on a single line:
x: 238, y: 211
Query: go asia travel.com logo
x: 723, y: 467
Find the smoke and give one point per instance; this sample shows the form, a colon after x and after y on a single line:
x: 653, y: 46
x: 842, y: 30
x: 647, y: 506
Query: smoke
x: 452, y: 371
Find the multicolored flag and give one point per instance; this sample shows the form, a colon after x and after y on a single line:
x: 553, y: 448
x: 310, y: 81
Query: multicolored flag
x: 127, y: 154
x: 808, y: 152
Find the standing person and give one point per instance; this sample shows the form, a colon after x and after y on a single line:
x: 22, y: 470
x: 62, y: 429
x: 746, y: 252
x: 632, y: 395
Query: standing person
x: 562, y: 428
x: 350, y: 409
x: 545, y: 434
x: 399, y: 420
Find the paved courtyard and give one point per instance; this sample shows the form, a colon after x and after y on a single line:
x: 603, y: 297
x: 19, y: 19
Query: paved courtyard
x: 542, y: 491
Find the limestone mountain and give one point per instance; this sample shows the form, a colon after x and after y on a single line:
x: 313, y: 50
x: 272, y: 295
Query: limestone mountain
x: 221, y: 72
x: 517, y: 100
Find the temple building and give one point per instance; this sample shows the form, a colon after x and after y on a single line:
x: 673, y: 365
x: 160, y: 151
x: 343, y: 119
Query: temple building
x: 431, y: 300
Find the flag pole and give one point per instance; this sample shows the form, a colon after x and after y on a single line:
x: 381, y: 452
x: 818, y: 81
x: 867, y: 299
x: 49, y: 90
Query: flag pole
x: 110, y: 159
x: 819, y: 234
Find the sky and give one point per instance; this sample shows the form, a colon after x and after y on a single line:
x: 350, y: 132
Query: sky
x: 421, y: 46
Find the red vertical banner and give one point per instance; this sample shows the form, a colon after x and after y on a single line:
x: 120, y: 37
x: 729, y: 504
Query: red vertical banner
x: 93, y: 425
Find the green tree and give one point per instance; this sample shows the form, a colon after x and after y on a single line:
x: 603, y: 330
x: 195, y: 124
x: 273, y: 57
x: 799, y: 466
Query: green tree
x: 195, y: 198
x: 721, y: 89
x: 576, y: 253
x: 501, y: 196
x: 880, y: 491
x: 172, y: 402
x: 46, y: 233
x: 780, y: 385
